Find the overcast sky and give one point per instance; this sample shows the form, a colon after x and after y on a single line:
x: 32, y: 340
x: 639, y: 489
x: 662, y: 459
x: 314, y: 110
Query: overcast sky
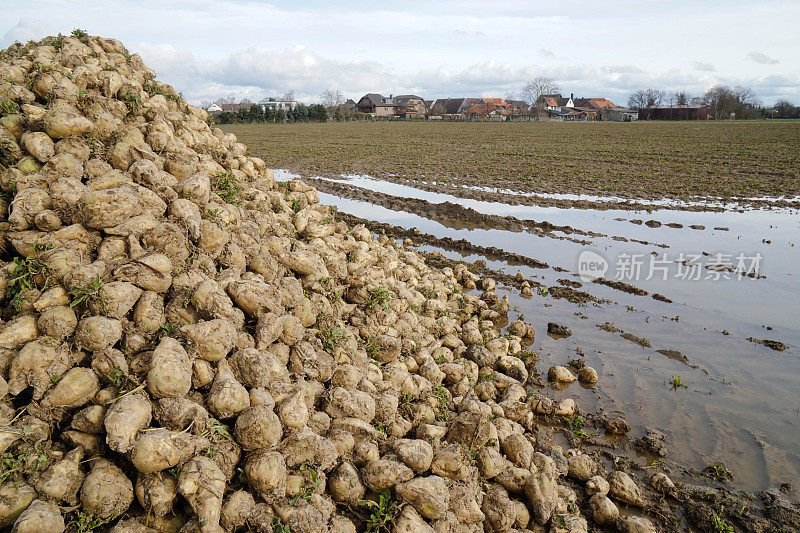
x: 217, y: 48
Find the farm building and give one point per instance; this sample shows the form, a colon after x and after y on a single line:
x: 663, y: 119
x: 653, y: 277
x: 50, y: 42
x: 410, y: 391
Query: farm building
x: 617, y: 114
x: 376, y: 105
x: 409, y: 105
x: 500, y: 106
x: 674, y: 112
x: 493, y: 108
x: 453, y: 106
x: 567, y: 115
x: 403, y: 105
x: 518, y: 106
x: 592, y: 103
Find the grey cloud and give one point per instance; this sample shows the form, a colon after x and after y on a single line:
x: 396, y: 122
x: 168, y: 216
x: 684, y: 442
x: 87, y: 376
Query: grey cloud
x: 780, y: 82
x: 764, y: 59
x: 704, y: 67
x: 465, y: 33
x: 622, y: 69
x: 677, y: 78
x: 771, y: 88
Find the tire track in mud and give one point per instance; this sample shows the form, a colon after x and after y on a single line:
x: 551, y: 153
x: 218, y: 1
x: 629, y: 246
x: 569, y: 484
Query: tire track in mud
x: 626, y: 204
x: 456, y: 216
x: 459, y: 217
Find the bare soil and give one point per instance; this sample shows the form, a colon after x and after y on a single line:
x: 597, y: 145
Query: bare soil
x: 628, y: 160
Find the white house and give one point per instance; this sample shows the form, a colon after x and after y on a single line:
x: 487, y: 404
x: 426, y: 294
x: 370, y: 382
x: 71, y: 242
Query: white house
x: 214, y: 108
x: 275, y: 104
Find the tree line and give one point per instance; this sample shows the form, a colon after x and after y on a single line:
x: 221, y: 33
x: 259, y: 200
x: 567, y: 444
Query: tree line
x: 256, y: 113
x: 723, y: 102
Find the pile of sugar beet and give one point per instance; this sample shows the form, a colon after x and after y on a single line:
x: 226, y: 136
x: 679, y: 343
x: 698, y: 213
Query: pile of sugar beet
x: 187, y: 345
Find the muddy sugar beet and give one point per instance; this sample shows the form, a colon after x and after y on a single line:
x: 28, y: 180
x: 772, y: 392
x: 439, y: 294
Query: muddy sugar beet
x: 187, y: 345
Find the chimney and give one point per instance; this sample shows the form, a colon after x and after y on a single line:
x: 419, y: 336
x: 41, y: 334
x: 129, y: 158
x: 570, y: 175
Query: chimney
x: 571, y: 96
x: 390, y: 96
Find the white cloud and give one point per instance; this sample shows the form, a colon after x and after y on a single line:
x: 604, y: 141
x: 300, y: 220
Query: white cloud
x: 764, y: 59
x: 23, y: 31
x: 258, y: 72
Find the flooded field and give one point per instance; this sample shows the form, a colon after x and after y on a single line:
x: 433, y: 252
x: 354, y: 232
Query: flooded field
x: 713, y: 302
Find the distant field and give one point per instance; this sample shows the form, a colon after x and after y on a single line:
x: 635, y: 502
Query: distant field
x: 630, y: 159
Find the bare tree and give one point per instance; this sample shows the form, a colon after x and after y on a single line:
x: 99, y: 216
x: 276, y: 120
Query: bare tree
x: 654, y: 97
x: 785, y: 109
x: 720, y: 101
x: 288, y: 96
x: 538, y: 87
x: 332, y: 98
x: 746, y: 96
x: 739, y: 102
x: 646, y: 98
x: 637, y: 100
x: 681, y: 98
x: 205, y: 104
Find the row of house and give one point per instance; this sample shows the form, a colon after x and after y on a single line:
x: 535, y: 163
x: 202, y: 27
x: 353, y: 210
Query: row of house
x: 552, y: 106
x: 413, y: 106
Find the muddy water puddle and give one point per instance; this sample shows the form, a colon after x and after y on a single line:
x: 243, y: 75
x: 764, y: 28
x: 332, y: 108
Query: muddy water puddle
x: 741, y: 406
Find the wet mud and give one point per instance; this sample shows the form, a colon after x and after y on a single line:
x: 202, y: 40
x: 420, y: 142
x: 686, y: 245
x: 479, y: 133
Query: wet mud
x: 631, y: 204
x: 460, y: 217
